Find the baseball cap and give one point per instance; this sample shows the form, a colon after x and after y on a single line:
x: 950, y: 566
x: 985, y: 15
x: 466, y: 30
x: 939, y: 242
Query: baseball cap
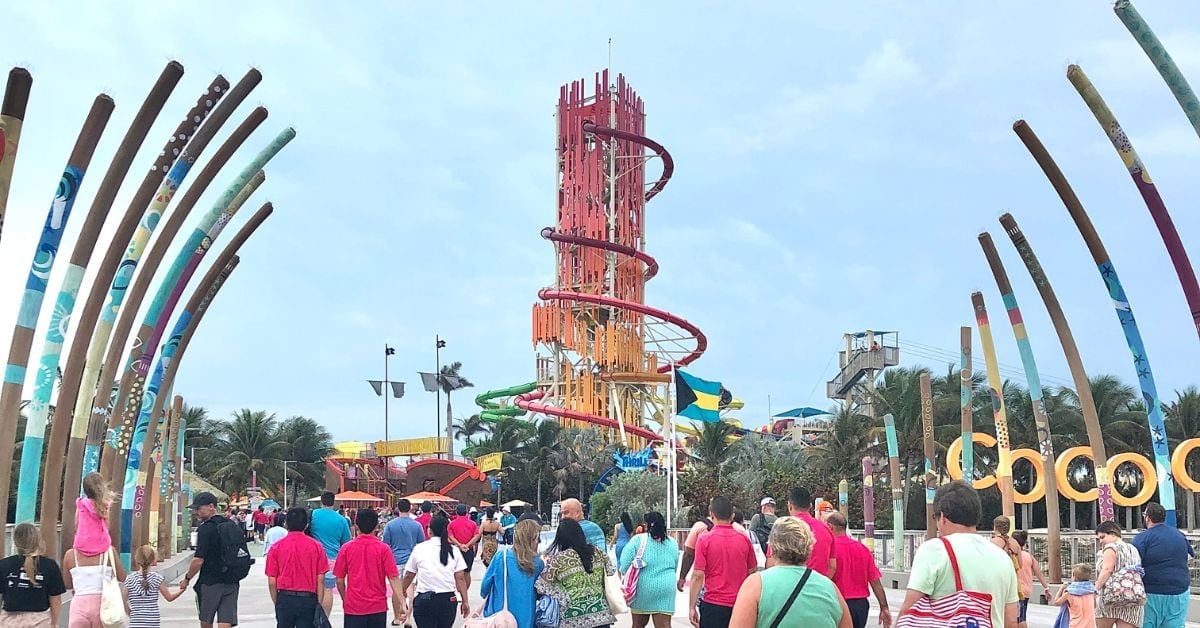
x: 203, y: 499
x: 765, y: 501
x: 823, y: 506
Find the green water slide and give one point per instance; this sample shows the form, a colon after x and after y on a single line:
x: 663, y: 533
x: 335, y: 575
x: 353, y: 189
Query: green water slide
x: 492, y: 410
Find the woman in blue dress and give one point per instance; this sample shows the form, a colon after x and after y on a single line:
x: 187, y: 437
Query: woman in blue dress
x: 654, y: 600
x: 622, y: 532
x: 514, y: 574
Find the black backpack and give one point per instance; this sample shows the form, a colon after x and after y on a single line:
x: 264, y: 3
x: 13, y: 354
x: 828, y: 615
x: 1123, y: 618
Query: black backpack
x: 235, y: 557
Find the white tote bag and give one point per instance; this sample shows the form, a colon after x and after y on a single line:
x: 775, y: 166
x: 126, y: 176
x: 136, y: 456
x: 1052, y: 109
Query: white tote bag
x: 503, y: 618
x: 112, y: 604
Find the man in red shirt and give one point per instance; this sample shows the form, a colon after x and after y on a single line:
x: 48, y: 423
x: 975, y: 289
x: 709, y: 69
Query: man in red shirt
x: 367, y: 563
x: 261, y: 521
x: 724, y: 558
x: 821, y: 560
x: 296, y: 573
x: 425, y: 517
x: 855, y: 573
x: 465, y: 536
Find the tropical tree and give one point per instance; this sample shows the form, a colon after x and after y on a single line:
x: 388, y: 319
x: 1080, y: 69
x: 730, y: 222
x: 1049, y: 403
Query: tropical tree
x: 466, y: 428
x: 711, y: 446
x: 250, y: 443
x: 537, y: 453
x: 839, y: 451
x: 1183, y: 416
x: 450, y: 379
x: 308, y: 444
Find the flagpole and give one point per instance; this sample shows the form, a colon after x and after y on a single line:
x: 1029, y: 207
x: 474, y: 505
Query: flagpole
x: 673, y: 473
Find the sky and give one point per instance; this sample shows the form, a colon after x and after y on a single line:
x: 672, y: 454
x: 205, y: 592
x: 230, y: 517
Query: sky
x: 834, y: 165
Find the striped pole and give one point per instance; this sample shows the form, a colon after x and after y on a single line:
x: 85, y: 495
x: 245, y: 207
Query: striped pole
x: 966, y: 385
x: 999, y: 412
x: 893, y: 446
x: 1045, y: 443
x: 930, y: 465
x: 844, y: 497
x: 1083, y: 388
x: 1129, y: 326
x: 868, y: 468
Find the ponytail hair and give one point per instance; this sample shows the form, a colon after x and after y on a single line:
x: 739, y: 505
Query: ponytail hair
x: 95, y: 487
x: 28, y: 543
x: 656, y: 526
x: 438, y: 526
x: 144, y: 558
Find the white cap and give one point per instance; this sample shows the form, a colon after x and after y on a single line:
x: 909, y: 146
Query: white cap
x: 765, y: 501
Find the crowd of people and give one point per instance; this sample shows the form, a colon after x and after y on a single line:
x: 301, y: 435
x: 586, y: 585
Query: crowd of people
x: 796, y: 569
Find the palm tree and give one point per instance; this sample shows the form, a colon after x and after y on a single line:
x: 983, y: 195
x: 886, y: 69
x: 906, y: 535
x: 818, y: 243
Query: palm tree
x: 308, y: 443
x: 466, y: 428
x: 450, y: 380
x: 1183, y: 416
x: 250, y: 442
x: 537, y: 453
x: 712, y: 447
x: 839, y: 452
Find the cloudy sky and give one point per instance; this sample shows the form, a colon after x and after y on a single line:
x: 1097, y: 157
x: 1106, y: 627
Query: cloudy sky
x: 834, y: 165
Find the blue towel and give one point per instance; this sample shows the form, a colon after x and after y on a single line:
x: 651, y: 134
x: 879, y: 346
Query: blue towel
x: 1064, y: 617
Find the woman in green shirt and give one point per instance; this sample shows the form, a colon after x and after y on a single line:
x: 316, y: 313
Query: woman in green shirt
x: 762, y: 601
x: 574, y: 575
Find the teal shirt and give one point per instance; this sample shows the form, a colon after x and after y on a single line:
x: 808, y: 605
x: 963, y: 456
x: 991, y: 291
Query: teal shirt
x: 594, y: 534
x: 656, y: 582
x: 817, y: 606
x: 331, y: 529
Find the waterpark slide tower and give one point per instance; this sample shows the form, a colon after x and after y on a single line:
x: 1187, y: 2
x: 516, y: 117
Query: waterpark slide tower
x: 602, y: 354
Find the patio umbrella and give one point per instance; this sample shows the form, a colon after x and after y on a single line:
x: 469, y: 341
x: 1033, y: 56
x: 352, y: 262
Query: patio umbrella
x: 356, y: 496
x: 801, y: 413
x: 427, y: 496
x: 271, y: 504
x: 516, y: 503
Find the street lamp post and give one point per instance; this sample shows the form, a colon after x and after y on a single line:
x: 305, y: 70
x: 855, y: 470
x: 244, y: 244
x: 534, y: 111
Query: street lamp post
x: 285, y: 487
x: 438, y: 345
x: 192, y: 461
x: 379, y: 385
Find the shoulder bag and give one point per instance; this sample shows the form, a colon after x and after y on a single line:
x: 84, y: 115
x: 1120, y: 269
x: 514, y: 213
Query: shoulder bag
x: 503, y: 618
x: 635, y: 569
x: 961, y: 608
x: 787, y: 606
x: 614, y: 591
x: 112, y: 604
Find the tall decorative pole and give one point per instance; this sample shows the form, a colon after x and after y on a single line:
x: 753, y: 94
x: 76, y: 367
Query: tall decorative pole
x: 134, y: 499
x: 1162, y: 60
x: 35, y: 286
x: 83, y: 375
x: 1083, y: 387
x: 64, y: 303
x: 1045, y: 444
x: 129, y: 399
x: 868, y: 467
x: 12, y: 115
x: 930, y: 466
x: 1133, y: 336
x: 844, y: 497
x: 893, y: 447
x: 1145, y: 186
x: 966, y: 386
x: 167, y: 496
x: 999, y: 412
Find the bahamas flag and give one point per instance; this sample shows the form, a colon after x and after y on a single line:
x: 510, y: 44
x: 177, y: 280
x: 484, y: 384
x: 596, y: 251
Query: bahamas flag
x: 699, y: 399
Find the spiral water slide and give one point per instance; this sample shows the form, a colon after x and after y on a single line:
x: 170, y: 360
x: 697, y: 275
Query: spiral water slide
x: 535, y: 400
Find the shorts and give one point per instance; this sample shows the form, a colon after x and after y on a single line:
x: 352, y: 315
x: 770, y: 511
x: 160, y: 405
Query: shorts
x: 860, y: 611
x: 217, y: 601
x: 1166, y: 611
x: 469, y: 558
x: 26, y: 619
x: 714, y: 615
x: 260, y: 528
x: 330, y: 580
x: 85, y: 611
x: 1023, y: 611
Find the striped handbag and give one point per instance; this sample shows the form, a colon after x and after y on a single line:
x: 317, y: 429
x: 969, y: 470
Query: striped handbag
x: 961, y: 609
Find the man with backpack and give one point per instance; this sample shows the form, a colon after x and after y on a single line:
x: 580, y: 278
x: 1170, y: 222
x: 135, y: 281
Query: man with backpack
x: 760, y: 524
x: 221, y: 560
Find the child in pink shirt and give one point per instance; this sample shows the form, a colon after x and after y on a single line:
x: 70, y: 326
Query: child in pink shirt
x: 91, y: 517
x: 1078, y: 599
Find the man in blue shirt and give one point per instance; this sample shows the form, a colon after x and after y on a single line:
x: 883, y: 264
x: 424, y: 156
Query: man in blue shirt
x: 573, y: 509
x: 1165, y: 553
x: 403, y: 533
x: 332, y: 530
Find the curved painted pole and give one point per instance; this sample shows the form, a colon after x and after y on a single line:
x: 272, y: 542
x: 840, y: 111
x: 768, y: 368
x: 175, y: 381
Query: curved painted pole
x: 129, y: 399
x: 166, y: 502
x: 68, y: 429
x: 1034, y: 380
x: 1083, y: 388
x: 1145, y: 186
x: 868, y: 467
x: 30, y: 309
x: 64, y: 303
x: 930, y: 478
x: 844, y: 497
x: 967, y: 418
x: 168, y: 472
x: 134, y: 500
x: 893, y: 448
x: 999, y: 411
x: 1129, y: 326
x: 1162, y: 60
x: 12, y: 116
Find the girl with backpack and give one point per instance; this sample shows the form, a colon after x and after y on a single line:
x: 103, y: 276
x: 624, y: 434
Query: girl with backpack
x: 144, y: 587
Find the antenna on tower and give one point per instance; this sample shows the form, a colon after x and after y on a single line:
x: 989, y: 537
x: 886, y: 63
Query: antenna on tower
x: 609, y: 66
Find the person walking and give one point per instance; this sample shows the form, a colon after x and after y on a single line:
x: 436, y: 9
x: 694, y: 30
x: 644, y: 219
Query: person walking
x: 789, y: 593
x: 31, y: 585
x: 821, y: 555
x: 277, y: 531
x: 1029, y: 569
x: 1113, y: 556
x: 622, y: 532
x: 402, y: 534
x: 724, y: 559
x: 489, y: 532
x: 857, y: 575
x: 573, y: 509
x: 85, y: 575
x: 296, y: 569
x: 574, y: 576
x: 331, y: 528
x: 655, y: 554
x: 1078, y: 598
x: 143, y: 587
x: 250, y: 524
x: 439, y: 571
x: 699, y: 528
x: 1000, y: 538
x: 216, y: 599
x: 425, y: 516
x: 957, y: 510
x: 1165, y: 553
x: 514, y: 574
x: 760, y: 523
x: 465, y: 535
x: 365, y: 568
x: 508, y: 521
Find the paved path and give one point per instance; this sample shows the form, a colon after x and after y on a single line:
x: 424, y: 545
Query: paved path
x: 255, y: 610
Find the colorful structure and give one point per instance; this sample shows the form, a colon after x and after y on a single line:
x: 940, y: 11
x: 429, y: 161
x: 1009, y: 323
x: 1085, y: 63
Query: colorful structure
x: 893, y: 449
x: 868, y: 469
x: 999, y: 412
x: 930, y: 476
x: 966, y: 386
